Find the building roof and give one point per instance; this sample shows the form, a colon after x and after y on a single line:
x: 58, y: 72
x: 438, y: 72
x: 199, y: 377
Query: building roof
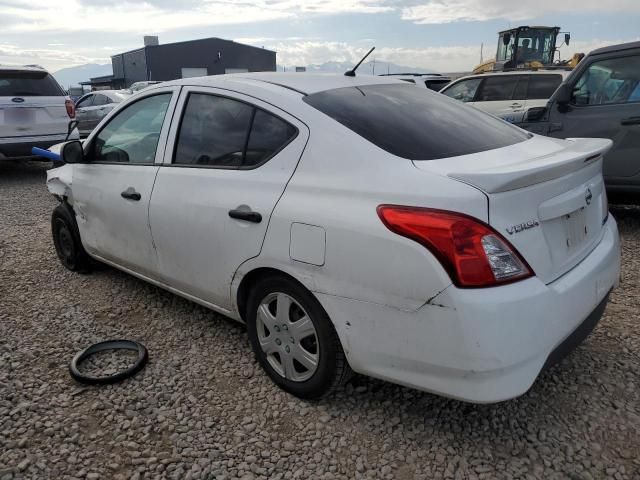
x: 197, y: 40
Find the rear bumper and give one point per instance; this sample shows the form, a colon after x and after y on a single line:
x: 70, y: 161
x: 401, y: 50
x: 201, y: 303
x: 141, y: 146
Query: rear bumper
x: 20, y: 148
x: 482, y: 345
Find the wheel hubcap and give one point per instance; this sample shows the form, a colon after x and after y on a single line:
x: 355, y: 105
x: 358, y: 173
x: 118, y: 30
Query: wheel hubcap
x: 288, y: 337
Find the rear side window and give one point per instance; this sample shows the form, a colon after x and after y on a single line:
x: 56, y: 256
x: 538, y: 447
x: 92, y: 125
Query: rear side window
x: 413, y: 122
x: 497, y: 89
x: 541, y: 87
x: 100, y: 100
x: 436, y: 85
x: 225, y: 133
x: 28, y: 84
x: 268, y: 135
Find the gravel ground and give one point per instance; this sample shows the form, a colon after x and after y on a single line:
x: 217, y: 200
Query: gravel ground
x: 203, y: 409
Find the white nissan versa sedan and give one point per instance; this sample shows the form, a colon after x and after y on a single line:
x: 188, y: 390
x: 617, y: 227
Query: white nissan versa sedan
x: 353, y: 223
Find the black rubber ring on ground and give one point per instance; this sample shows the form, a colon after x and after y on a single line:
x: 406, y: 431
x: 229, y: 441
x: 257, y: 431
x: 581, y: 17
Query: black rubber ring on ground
x: 143, y: 358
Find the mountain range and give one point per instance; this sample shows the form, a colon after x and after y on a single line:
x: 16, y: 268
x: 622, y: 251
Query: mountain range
x: 74, y: 75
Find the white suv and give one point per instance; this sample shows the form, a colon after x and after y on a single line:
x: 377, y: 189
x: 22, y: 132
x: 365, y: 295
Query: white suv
x: 508, y: 95
x: 34, y: 111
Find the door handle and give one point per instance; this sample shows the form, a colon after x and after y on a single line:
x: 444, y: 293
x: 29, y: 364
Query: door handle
x: 131, y: 194
x: 516, y: 105
x: 631, y: 121
x: 246, y: 215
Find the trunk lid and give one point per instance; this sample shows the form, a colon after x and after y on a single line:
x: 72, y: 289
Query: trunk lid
x: 32, y: 116
x: 545, y: 196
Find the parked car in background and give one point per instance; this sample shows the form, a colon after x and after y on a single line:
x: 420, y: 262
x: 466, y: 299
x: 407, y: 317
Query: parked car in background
x: 315, y: 209
x: 137, y: 86
x: 507, y: 95
x: 432, y: 81
x: 601, y: 98
x: 34, y: 111
x: 93, y: 107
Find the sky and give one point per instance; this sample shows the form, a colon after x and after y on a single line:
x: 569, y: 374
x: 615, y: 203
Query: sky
x: 437, y: 35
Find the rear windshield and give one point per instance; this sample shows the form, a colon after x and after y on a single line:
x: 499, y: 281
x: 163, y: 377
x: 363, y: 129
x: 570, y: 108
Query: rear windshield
x: 415, y: 123
x: 28, y: 84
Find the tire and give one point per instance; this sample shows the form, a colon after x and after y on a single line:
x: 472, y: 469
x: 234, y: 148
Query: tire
x: 66, y: 239
x: 315, y: 341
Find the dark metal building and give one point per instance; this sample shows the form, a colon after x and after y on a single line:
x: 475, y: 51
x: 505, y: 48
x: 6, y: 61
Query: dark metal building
x: 207, y: 56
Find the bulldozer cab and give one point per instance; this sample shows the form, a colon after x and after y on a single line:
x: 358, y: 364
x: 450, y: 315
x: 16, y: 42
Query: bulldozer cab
x: 527, y: 46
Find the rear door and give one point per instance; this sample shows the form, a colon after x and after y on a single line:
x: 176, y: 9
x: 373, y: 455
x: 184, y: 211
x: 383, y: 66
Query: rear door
x: 31, y: 104
x: 606, y: 103
x: 227, y: 163
x: 503, y: 96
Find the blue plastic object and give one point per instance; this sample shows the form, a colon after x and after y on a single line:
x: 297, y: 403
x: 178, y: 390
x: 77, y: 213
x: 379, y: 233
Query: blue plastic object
x: 46, y: 154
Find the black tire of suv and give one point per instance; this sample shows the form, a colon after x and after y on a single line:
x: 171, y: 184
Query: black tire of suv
x: 333, y: 369
x: 66, y: 239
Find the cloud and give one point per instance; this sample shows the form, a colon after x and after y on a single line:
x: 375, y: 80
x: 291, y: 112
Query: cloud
x: 449, y: 11
x: 129, y: 16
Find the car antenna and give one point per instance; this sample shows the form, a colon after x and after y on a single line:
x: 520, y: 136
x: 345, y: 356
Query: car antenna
x: 352, y: 72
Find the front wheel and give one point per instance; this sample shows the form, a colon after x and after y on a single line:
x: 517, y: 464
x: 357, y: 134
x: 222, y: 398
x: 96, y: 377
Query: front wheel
x: 66, y: 240
x: 294, y: 339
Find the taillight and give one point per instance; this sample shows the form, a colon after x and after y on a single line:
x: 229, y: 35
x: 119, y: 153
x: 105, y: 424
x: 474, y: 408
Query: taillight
x: 71, y: 109
x: 473, y: 254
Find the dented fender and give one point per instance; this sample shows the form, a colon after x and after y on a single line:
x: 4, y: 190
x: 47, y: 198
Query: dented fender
x: 59, y: 181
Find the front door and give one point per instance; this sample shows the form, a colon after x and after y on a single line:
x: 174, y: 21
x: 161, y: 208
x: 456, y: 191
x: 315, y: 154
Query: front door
x: 227, y: 164
x: 606, y: 104
x: 112, y: 189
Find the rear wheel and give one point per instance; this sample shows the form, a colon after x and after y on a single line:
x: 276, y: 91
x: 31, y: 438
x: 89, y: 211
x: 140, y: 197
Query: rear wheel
x: 66, y: 240
x: 294, y: 339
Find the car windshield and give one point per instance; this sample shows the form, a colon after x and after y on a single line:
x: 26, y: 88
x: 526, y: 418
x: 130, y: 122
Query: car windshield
x: 415, y: 123
x: 28, y: 84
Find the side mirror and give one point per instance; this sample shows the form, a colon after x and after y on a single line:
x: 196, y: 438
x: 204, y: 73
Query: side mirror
x: 567, y: 38
x: 506, y: 38
x: 563, y: 94
x: 72, y: 152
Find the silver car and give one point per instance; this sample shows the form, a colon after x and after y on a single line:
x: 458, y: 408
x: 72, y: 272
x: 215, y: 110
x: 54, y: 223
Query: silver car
x: 93, y: 107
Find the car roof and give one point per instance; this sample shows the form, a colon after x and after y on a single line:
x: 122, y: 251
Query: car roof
x: 564, y: 73
x: 302, y: 83
x: 22, y: 68
x: 615, y: 48
x: 434, y: 76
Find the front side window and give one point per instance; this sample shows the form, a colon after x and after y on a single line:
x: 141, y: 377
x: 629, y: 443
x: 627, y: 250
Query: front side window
x: 224, y: 133
x: 132, y: 135
x: 609, y: 82
x: 465, y: 90
x: 541, y: 87
x: 86, y: 101
x: 414, y: 123
x: 498, y: 88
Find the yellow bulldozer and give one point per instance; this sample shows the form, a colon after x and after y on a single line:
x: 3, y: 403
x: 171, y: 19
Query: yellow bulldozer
x: 529, y: 48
